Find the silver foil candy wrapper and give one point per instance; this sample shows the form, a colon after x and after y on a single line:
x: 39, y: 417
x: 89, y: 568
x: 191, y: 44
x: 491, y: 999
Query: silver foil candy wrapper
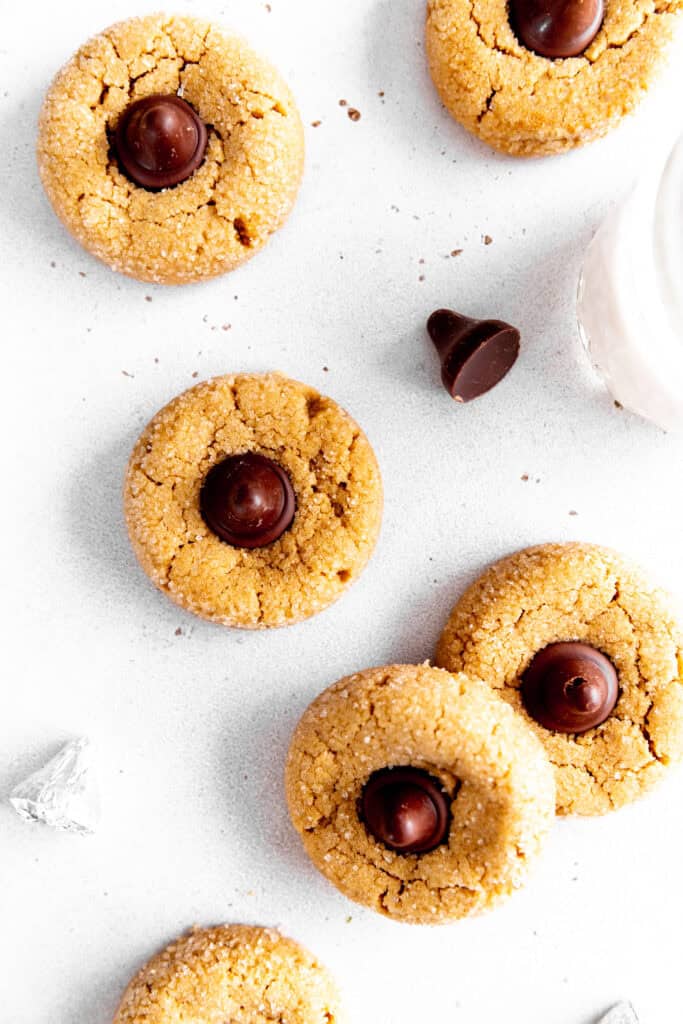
x: 63, y: 793
x: 621, y: 1014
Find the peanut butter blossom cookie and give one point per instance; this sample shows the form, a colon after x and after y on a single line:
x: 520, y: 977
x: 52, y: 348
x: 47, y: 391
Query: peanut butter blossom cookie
x: 533, y: 77
x: 233, y: 974
x: 253, y: 501
x: 169, y: 149
x: 419, y: 793
x: 578, y: 641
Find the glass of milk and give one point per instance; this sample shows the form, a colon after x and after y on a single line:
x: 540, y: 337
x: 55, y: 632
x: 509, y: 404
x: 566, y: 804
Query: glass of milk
x: 630, y: 297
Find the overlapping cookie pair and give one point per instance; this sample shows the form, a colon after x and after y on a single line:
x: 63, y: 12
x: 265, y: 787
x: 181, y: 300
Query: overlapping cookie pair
x: 426, y: 793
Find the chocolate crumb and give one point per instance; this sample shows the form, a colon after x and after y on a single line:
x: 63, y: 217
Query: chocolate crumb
x: 524, y: 477
x: 178, y: 631
x: 421, y: 262
x: 573, y: 513
x: 126, y: 374
x: 354, y: 114
x: 196, y: 373
x: 268, y: 8
x: 315, y: 124
x: 421, y: 277
x: 381, y: 93
x: 148, y: 298
x: 82, y: 273
x: 326, y: 369
x: 486, y: 239
x: 343, y: 103
x: 226, y: 327
x: 156, y: 359
x: 52, y: 263
x: 617, y: 405
x: 456, y: 252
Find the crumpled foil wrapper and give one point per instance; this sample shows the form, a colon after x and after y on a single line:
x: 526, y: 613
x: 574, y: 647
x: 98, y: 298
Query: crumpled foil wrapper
x: 64, y: 793
x: 621, y: 1014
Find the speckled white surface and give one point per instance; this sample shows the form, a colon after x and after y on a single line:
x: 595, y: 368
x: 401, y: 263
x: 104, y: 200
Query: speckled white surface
x: 191, y: 721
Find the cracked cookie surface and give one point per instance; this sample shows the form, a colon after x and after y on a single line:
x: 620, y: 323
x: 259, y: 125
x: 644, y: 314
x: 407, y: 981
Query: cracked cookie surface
x: 528, y: 105
x: 497, y: 777
x: 336, y: 480
x: 226, y: 211
x: 235, y: 973
x: 567, y: 592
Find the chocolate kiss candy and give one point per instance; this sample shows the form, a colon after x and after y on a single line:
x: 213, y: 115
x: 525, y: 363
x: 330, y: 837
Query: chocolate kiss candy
x: 406, y: 809
x: 475, y: 354
x: 557, y: 28
x: 247, y: 500
x: 570, y: 687
x: 160, y: 141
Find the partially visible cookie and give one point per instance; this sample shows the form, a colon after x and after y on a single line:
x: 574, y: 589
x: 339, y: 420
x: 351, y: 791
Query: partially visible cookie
x: 233, y: 973
x: 253, y: 501
x: 236, y: 193
x: 582, y: 645
x: 527, y: 104
x: 418, y: 793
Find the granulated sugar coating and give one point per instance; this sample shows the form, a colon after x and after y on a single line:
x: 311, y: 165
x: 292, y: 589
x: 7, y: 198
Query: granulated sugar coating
x: 528, y: 105
x: 336, y: 481
x: 579, y: 592
x: 242, y: 192
x: 231, y: 973
x: 488, y: 761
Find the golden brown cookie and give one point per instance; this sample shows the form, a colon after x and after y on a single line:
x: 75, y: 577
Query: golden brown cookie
x: 234, y: 973
x: 526, y: 104
x: 221, y: 215
x: 320, y: 453
x: 579, y: 593
x: 381, y: 837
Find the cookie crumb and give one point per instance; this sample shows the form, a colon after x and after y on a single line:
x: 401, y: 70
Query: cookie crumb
x: 156, y: 359
x: 486, y: 239
x: 315, y: 124
x: 326, y: 369
x: 226, y: 327
x: 82, y: 273
x: 124, y: 372
x: 456, y: 252
x: 52, y: 263
x: 421, y: 277
x: 148, y: 298
x: 196, y: 373
x: 524, y: 477
x: 178, y: 631
x: 573, y: 512
x: 343, y: 103
x: 381, y: 94
x: 355, y: 115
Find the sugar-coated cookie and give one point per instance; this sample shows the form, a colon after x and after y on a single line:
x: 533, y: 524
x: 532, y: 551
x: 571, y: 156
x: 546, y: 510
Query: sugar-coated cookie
x: 216, y: 151
x: 582, y: 645
x: 252, y: 500
x: 234, y: 973
x: 522, y: 102
x: 418, y: 793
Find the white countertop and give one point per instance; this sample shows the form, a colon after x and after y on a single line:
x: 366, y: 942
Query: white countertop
x: 192, y: 721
